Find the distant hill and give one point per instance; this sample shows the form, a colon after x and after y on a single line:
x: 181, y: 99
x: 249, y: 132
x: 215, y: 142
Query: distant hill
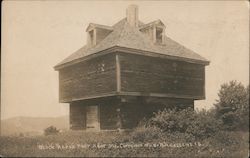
x: 32, y: 125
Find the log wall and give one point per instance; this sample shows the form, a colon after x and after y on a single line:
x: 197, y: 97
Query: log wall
x: 93, y: 77
x: 77, y: 116
x: 156, y: 75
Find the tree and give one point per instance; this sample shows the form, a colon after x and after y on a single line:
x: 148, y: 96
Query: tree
x: 232, y: 107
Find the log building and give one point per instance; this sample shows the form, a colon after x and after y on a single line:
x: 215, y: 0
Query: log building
x: 126, y: 72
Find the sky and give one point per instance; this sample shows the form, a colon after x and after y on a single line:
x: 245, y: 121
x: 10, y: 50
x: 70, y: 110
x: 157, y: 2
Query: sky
x: 36, y: 35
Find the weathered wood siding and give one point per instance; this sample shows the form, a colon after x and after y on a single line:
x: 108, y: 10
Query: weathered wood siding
x: 89, y: 78
x: 107, y: 113
x: 156, y: 75
x: 123, y: 112
x: 92, y: 117
x: 77, y: 114
x: 109, y: 118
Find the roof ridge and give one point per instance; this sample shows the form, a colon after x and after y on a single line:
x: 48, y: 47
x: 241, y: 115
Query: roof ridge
x: 121, y: 32
x: 134, y: 32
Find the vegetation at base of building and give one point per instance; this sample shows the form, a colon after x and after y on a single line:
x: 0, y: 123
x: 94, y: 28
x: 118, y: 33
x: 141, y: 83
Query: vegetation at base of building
x: 51, y: 130
x: 220, y: 132
x: 199, y: 125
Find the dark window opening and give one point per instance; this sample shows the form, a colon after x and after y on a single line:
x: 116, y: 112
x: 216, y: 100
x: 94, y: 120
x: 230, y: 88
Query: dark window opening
x: 159, y: 34
x: 91, y: 35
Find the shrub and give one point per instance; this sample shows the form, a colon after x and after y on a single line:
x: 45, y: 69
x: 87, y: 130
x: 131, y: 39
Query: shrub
x: 143, y: 134
x: 21, y: 134
x: 232, y: 107
x: 51, y: 131
x: 187, y: 121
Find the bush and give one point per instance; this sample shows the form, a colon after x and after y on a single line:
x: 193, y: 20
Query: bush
x: 51, y: 131
x: 232, y: 107
x: 186, y: 121
x: 143, y: 134
x: 21, y: 134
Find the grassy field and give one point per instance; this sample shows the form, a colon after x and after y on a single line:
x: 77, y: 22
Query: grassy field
x: 141, y: 143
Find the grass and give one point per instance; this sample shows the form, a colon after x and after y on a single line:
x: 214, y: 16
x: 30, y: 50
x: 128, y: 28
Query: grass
x: 71, y: 144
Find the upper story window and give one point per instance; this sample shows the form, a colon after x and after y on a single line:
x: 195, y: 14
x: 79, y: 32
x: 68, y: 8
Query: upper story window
x: 159, y: 35
x: 155, y: 31
x: 96, y: 33
x: 91, y: 37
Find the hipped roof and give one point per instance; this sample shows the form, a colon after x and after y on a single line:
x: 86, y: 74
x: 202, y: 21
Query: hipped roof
x: 126, y: 36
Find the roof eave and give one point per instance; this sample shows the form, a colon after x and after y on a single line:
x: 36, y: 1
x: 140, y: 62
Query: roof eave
x: 60, y: 66
x: 129, y: 50
x: 151, y: 24
x: 93, y: 25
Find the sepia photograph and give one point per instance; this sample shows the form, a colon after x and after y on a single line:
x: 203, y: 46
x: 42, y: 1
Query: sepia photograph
x: 139, y: 78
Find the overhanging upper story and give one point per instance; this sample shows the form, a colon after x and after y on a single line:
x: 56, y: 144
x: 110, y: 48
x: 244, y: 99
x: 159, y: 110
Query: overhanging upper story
x: 121, y: 73
x: 131, y: 58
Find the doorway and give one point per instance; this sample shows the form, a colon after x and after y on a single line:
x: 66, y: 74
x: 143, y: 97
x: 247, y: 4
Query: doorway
x: 92, y: 119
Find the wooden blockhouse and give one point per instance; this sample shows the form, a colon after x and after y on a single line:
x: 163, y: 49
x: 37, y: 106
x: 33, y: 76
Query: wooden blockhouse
x: 126, y: 72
